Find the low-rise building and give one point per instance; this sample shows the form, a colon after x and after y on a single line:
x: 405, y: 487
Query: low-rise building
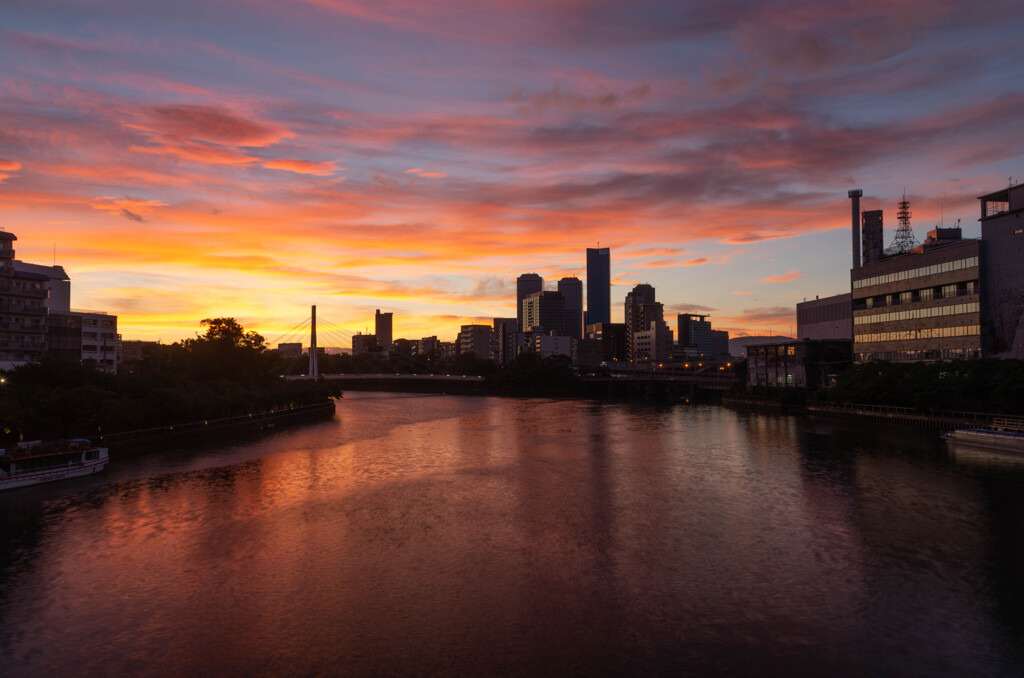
x: 290, y: 349
x: 475, y: 339
x: 99, y: 340
x: 363, y: 343
x: 653, y: 344
x: 803, y: 363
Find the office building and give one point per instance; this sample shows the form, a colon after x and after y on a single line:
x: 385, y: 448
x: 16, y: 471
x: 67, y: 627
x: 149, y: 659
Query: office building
x: 599, y: 275
x: 527, y: 283
x: 828, y: 318
x: 503, y: 340
x: 571, y: 290
x: 363, y: 343
x: 653, y: 344
x: 1002, y: 234
x: 642, y: 309
x: 382, y: 328
x: 921, y: 304
x: 544, y: 311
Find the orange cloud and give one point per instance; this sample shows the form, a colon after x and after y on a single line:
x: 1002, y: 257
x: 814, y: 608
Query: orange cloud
x: 786, y: 277
x: 301, y: 166
x: 696, y: 262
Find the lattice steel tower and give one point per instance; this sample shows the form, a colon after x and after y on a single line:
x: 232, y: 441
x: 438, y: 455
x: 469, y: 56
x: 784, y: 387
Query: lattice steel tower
x: 904, y: 240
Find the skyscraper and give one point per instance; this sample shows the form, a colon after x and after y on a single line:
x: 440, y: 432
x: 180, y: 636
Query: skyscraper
x: 545, y: 311
x: 382, y: 328
x: 599, y: 283
x: 571, y: 290
x: 645, y: 315
x: 527, y: 283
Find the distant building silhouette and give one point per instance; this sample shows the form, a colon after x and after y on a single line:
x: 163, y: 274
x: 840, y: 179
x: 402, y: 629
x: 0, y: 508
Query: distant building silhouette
x: 475, y: 339
x: 363, y: 343
x: 599, y: 305
x: 571, y: 290
x: 527, y: 283
x: 382, y: 328
x: 645, y: 315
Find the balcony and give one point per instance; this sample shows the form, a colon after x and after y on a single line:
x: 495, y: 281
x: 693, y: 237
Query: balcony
x: 11, y: 288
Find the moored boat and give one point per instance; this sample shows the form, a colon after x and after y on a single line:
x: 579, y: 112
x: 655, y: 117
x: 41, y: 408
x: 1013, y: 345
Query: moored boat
x: 38, y: 462
x: 1005, y: 434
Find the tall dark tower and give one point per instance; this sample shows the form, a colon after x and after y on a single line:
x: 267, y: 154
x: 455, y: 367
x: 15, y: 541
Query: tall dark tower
x: 872, y: 236
x: 572, y: 293
x: 855, y: 196
x: 382, y: 327
x: 599, y: 286
x: 527, y: 283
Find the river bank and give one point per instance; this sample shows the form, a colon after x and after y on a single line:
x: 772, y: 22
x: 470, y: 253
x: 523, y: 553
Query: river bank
x: 941, y: 419
x: 209, y: 430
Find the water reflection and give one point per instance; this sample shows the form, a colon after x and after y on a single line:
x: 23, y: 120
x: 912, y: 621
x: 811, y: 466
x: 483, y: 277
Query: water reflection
x: 424, y: 534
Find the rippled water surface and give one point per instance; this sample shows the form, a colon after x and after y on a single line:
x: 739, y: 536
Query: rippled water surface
x: 419, y: 535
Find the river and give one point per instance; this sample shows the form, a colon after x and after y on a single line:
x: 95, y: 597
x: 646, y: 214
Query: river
x: 441, y: 535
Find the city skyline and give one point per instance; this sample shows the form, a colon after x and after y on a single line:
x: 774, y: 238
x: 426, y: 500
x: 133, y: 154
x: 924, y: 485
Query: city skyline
x: 418, y: 158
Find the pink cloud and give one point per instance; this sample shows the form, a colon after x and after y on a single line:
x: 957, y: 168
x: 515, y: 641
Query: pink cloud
x: 786, y: 277
x: 216, y: 125
x: 696, y: 262
x: 301, y: 166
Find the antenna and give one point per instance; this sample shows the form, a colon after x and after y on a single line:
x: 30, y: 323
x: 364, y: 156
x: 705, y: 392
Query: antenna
x: 904, y: 240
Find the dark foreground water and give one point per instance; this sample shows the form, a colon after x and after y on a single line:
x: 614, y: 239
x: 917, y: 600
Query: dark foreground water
x: 428, y: 535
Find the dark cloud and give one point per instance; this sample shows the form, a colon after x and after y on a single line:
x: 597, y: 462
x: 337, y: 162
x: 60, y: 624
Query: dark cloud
x: 128, y: 214
x: 565, y: 98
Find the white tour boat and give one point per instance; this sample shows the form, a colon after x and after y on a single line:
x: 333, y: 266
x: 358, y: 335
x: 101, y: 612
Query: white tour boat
x: 38, y: 462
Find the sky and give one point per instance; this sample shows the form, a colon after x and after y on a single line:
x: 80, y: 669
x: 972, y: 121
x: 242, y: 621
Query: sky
x: 250, y: 158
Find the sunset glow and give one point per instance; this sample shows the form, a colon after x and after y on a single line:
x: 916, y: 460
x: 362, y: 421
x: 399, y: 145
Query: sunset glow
x: 249, y: 158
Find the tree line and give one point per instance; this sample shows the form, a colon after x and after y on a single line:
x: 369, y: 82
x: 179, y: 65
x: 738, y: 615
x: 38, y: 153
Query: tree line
x: 226, y: 371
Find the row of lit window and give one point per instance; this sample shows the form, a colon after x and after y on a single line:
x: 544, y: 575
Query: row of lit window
x: 969, y: 262
x: 934, y: 354
x: 952, y: 309
x: 773, y: 350
x: 910, y: 335
x: 779, y: 379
